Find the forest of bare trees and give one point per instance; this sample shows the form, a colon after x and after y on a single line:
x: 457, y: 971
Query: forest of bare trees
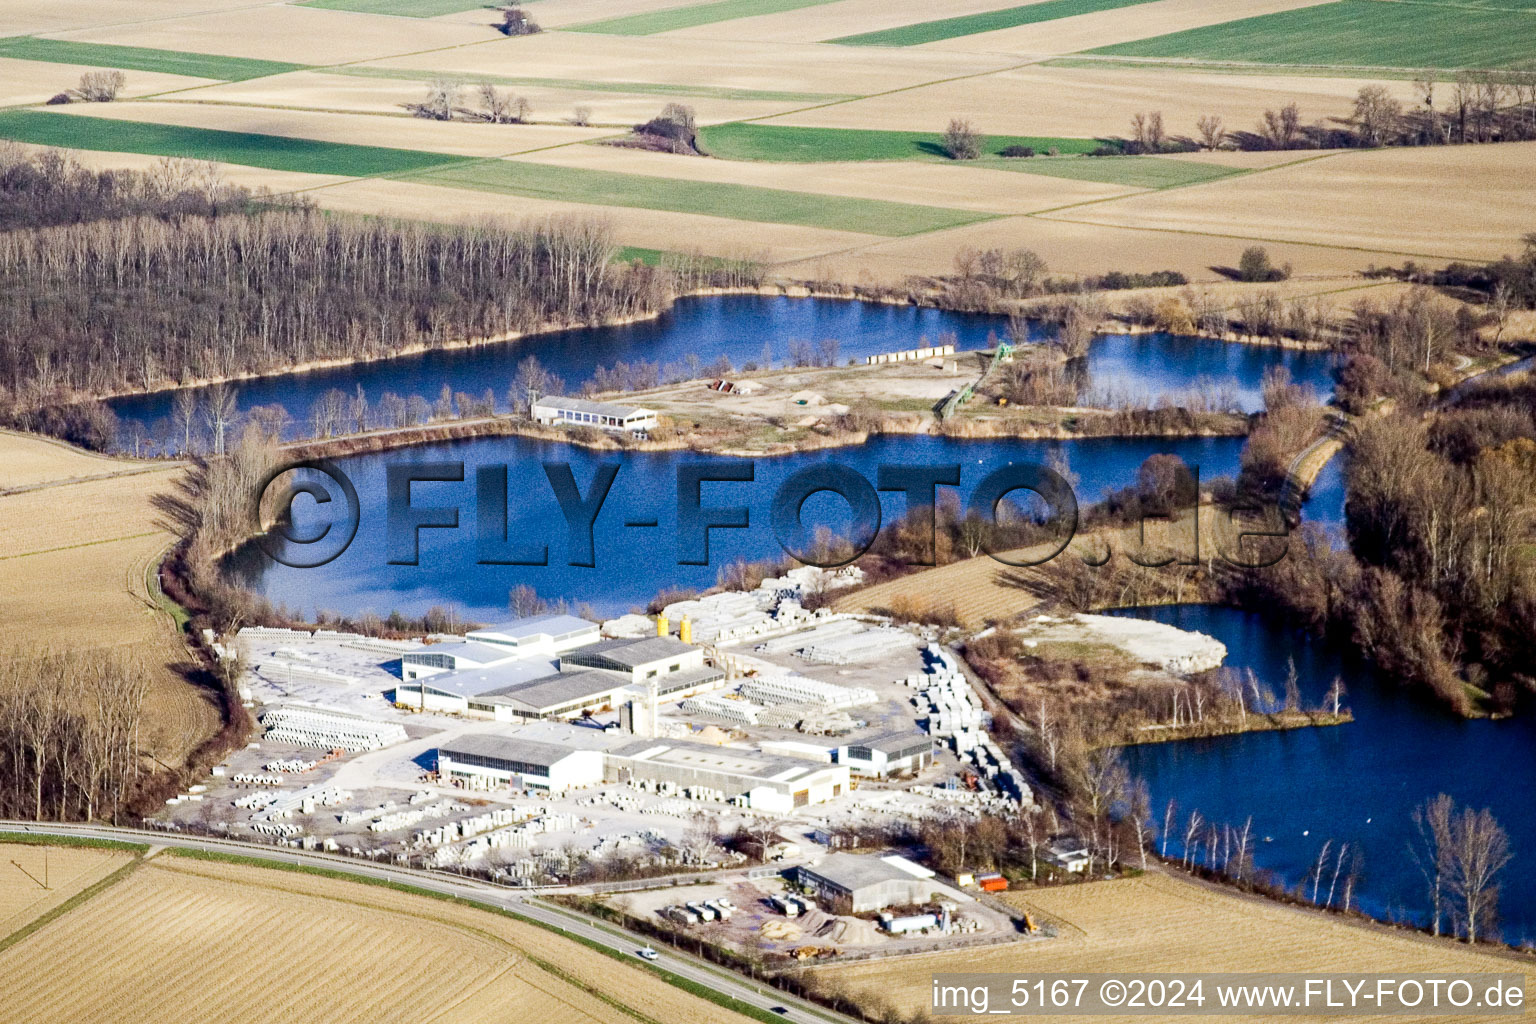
x: 69, y: 732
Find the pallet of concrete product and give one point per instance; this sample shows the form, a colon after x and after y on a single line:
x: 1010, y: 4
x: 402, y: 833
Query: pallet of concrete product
x: 867, y: 645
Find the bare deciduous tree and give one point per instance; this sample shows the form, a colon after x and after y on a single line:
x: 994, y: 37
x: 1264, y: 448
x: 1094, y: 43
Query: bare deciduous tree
x: 961, y: 141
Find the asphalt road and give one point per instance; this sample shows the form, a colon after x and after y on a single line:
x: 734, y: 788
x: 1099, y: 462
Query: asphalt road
x: 499, y: 897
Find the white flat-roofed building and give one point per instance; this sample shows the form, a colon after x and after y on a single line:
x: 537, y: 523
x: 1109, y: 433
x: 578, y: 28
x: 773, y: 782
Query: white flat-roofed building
x: 604, y: 415
x: 564, y: 695
x: 453, y: 656
x: 762, y: 782
x: 887, y: 754
x: 521, y: 762
x: 676, y: 669
x: 538, y: 634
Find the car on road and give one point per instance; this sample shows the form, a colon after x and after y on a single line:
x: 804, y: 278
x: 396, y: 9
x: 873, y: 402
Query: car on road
x: 782, y: 1011
x: 646, y: 954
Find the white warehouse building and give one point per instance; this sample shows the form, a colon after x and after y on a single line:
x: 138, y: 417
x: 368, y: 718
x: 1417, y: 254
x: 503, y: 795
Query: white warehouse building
x: 762, y: 782
x: 527, y: 764
x: 555, y: 410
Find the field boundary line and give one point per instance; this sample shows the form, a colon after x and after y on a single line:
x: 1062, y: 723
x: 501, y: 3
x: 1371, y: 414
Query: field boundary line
x: 1237, y: 172
x: 48, y: 917
x: 93, y: 478
x: 82, y: 544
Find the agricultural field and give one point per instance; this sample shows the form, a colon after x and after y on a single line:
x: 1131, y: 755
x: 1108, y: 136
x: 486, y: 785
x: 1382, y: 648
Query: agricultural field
x: 1382, y: 33
x: 797, y: 144
x: 67, y: 870
x: 989, y: 21
x: 1162, y: 924
x: 691, y: 16
x: 181, y: 932
x: 78, y: 540
x: 823, y: 159
x: 404, y: 8
x: 140, y: 58
x: 737, y: 202
x: 1464, y: 202
x: 278, y: 152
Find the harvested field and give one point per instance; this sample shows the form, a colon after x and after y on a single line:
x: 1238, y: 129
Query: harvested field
x: 164, y: 937
x: 1080, y: 248
x: 404, y: 8
x: 1462, y: 202
x: 718, y: 199
x: 139, y: 58
x: 1380, y: 33
x: 1095, y: 102
x: 633, y: 226
x: 1162, y: 924
x: 78, y: 550
x: 691, y: 16
x: 26, y: 81
x: 1101, y: 28
x: 845, y: 17
x: 306, y: 35
x: 967, y: 186
x: 795, y: 144
x: 725, y: 64
x: 988, y: 21
x: 21, y: 17
x: 380, y: 91
x: 68, y: 870
x: 588, y: 85
x: 277, y: 152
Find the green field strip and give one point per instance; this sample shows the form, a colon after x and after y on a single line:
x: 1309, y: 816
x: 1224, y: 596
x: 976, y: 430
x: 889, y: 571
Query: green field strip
x: 1371, y: 33
x: 140, y: 58
x: 274, y: 152
x: 710, y: 199
x: 1105, y: 63
x: 753, y: 140
x: 400, y: 8
x: 1132, y: 171
x: 987, y: 21
x: 691, y: 16
x: 593, y: 85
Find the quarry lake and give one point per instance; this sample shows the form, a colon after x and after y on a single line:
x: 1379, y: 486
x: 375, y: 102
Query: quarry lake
x: 1356, y: 783
x: 746, y: 329
x: 632, y: 564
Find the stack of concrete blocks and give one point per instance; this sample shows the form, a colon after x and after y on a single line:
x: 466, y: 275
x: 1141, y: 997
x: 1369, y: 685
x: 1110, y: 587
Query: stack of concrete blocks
x: 828, y: 630
x: 329, y: 730
x: 404, y: 819
x: 864, y: 645
x: 789, y: 688
x: 716, y: 705
x: 724, y: 619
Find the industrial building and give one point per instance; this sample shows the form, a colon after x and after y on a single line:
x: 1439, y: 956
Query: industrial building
x: 889, y: 754
x: 539, y: 634
x: 466, y: 692
x: 759, y: 781
x: 436, y: 659
x: 867, y: 883
x: 520, y: 639
x: 529, y: 764
x: 676, y: 669
x: 605, y: 415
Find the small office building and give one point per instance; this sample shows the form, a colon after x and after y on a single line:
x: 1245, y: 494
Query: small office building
x: 889, y: 754
x: 555, y: 410
x: 511, y: 760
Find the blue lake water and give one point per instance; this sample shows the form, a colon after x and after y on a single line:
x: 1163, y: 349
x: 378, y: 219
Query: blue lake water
x: 1357, y: 783
x: 633, y: 563
x: 745, y: 329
